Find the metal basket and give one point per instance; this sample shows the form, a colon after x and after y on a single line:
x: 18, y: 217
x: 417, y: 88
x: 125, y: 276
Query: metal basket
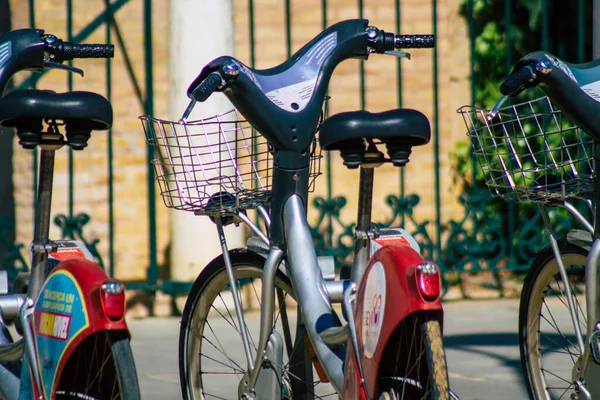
x: 216, y: 165
x: 528, y: 152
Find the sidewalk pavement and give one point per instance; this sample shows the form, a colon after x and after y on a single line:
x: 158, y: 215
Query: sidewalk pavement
x: 480, y: 338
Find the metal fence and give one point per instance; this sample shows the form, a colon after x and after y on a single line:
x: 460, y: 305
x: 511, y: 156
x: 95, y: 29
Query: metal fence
x: 73, y: 223
x: 488, y: 235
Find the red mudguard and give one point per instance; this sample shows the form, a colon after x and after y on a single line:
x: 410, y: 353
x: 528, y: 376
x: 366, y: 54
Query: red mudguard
x: 387, y: 294
x: 67, y: 311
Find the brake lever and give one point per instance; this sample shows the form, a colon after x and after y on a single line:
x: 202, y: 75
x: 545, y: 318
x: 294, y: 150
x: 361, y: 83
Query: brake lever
x: 399, y: 54
x: 187, y: 112
x: 53, y: 65
x: 494, y: 111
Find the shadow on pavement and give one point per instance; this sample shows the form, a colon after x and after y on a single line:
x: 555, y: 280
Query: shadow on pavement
x: 501, y: 348
x: 482, y: 339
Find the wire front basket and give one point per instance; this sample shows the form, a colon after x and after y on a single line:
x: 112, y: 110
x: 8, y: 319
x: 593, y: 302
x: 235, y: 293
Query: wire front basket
x: 216, y: 165
x: 528, y: 152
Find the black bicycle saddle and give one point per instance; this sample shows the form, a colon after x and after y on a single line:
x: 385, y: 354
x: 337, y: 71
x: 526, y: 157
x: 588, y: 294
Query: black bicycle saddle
x: 81, y: 113
x: 399, y: 129
x: 86, y: 109
x: 408, y: 126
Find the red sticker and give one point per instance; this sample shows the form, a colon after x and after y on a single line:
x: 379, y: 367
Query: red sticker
x: 67, y: 253
x: 391, y: 240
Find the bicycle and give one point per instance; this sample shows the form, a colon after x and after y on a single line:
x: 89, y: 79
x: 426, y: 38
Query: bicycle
x: 391, y: 346
x: 529, y: 153
x: 70, y: 314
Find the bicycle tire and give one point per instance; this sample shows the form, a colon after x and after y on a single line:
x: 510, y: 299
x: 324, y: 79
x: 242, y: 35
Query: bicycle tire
x: 101, y: 367
x: 548, y: 359
x: 414, y: 365
x: 200, y: 348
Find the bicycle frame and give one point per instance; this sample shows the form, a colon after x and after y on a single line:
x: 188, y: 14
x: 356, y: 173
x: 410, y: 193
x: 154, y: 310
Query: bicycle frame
x: 393, y: 268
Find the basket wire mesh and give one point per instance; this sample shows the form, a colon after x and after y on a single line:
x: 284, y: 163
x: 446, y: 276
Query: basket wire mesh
x: 529, y: 152
x: 216, y: 165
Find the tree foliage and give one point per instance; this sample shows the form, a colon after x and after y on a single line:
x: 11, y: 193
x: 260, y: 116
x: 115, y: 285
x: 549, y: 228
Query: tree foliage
x: 503, y: 31
x: 499, y: 40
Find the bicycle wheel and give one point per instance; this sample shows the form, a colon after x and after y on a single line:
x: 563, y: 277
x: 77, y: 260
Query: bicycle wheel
x: 101, y: 368
x: 414, y: 363
x: 212, y: 360
x: 547, y: 338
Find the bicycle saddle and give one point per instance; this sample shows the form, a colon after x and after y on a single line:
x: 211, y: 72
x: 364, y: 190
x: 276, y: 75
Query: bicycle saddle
x: 89, y: 109
x: 399, y: 129
x: 81, y: 112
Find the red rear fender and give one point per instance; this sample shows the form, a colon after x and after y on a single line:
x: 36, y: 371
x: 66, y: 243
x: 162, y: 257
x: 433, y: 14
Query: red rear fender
x: 68, y: 310
x: 386, y: 296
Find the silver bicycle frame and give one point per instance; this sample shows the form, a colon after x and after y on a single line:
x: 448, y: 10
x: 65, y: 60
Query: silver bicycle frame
x: 312, y: 296
x: 310, y: 289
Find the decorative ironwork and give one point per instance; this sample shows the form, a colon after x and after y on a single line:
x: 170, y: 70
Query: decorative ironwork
x: 402, y: 209
x: 529, y: 240
x: 478, y: 241
x: 495, y: 235
x: 333, y: 237
x: 325, y: 233
x: 72, y: 228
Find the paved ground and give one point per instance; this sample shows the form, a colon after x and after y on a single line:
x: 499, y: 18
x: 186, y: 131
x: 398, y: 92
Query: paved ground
x: 480, y: 336
x: 482, y: 349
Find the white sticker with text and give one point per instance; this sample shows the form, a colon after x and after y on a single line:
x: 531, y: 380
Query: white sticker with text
x: 373, y: 308
x: 592, y: 90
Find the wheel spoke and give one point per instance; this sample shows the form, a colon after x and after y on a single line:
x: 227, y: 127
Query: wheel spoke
x: 222, y: 349
x: 564, y: 294
x: 223, y: 364
x: 556, y: 376
x: 214, y: 396
x: 578, y: 303
x: 256, y: 294
x: 96, y: 367
x: 547, y: 327
x: 314, y: 384
x: 231, y: 320
x: 566, y: 349
x: 210, y: 366
x: 223, y: 372
x: 553, y: 324
x: 287, y: 335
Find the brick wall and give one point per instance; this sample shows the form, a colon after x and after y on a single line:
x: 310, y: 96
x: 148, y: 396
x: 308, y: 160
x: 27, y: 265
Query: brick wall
x: 91, y: 165
x: 131, y: 253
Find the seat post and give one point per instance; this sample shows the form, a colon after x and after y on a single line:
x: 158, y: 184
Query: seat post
x: 40, y: 246
x: 363, y: 227
x: 44, y: 200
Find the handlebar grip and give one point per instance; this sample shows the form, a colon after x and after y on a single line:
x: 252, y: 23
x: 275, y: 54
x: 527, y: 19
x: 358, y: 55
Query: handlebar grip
x: 207, y: 87
x: 516, y: 80
x: 414, y: 41
x: 74, y: 50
